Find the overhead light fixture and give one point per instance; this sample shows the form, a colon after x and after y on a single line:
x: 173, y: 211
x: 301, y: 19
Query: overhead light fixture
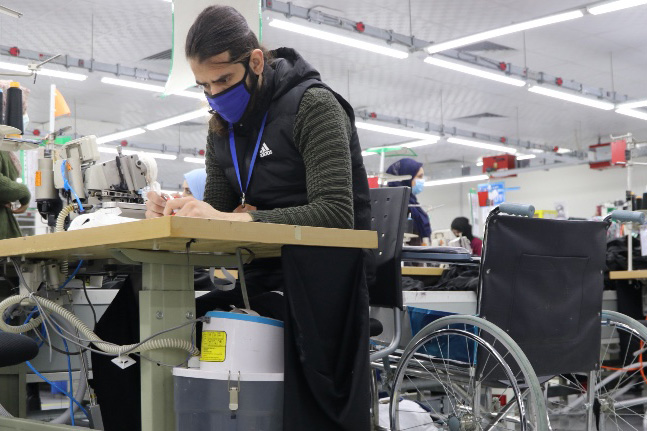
x: 526, y: 156
x: 564, y: 150
x: 150, y: 87
x: 45, y: 72
x: 107, y: 150
x: 641, y: 115
x: 10, y: 12
x: 396, y: 131
x: 458, y: 180
x: 501, y: 31
x: 343, y: 40
x: 481, y: 145
x: 178, y: 119
x: 570, y: 97
x: 133, y: 84
x: 120, y: 135
x: 475, y: 72
x: 368, y: 153
x: 633, y: 105
x: 421, y: 143
x: 200, y: 160
x: 125, y: 152
x: 612, y: 6
x: 191, y: 94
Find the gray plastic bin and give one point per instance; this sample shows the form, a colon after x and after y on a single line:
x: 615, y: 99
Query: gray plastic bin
x: 202, y: 402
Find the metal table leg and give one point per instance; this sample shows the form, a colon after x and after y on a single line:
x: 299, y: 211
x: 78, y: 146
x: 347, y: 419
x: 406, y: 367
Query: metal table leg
x: 166, y: 300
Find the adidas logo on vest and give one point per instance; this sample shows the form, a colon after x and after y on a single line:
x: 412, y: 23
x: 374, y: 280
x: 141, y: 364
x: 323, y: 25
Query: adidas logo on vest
x: 265, y: 151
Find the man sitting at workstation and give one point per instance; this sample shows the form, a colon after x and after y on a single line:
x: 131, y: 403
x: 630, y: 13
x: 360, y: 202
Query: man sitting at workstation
x: 283, y: 148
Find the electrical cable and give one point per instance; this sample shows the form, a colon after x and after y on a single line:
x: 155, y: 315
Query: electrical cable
x: 72, y: 275
x: 69, y: 374
x: 51, y: 383
x: 108, y: 348
x: 94, y: 312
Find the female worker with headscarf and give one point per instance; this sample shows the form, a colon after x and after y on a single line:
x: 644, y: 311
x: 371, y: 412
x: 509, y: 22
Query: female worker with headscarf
x: 420, y: 218
x: 461, y: 227
x: 10, y: 192
x: 194, y: 183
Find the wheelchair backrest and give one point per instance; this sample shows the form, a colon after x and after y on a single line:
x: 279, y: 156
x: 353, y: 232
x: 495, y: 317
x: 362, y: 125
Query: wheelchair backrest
x: 541, y: 281
x: 389, y: 208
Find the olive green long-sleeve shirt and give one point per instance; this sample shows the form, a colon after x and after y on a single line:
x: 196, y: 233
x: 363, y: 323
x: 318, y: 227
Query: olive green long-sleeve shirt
x: 10, y: 191
x: 322, y: 133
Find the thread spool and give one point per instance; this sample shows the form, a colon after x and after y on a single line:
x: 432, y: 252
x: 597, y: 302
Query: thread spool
x: 14, y: 106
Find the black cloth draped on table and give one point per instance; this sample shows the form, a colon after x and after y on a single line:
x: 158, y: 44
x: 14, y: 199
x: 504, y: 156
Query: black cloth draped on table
x: 325, y: 310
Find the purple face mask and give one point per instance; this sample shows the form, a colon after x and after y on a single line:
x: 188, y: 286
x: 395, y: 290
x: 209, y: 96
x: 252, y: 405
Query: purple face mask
x: 231, y: 103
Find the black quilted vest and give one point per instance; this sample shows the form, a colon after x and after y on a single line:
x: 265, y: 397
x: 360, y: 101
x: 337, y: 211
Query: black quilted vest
x: 279, y: 177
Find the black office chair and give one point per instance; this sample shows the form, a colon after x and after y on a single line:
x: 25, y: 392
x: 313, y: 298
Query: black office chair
x: 16, y: 349
x: 389, y: 208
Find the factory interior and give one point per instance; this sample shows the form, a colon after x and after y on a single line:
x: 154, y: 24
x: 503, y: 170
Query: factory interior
x: 267, y: 215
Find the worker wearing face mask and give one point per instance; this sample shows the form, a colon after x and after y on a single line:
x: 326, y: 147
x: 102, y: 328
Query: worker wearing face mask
x: 419, y: 216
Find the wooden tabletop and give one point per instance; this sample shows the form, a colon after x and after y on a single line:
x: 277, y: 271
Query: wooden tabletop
x: 172, y: 233
x: 421, y: 271
x: 628, y: 275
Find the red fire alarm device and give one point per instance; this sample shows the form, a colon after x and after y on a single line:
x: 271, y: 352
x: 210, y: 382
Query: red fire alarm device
x: 499, y: 163
x: 619, y: 152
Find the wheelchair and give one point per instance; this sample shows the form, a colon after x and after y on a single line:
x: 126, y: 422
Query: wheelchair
x: 540, y: 354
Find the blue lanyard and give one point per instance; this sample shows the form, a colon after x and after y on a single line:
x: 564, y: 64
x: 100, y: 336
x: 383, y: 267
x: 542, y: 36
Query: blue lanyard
x: 232, y: 147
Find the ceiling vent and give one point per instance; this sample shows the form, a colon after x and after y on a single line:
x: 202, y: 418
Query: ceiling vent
x: 478, y: 118
x: 164, y: 55
x: 484, y: 46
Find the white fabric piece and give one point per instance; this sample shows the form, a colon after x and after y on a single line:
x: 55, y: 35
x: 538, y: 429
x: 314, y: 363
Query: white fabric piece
x: 102, y: 217
x: 412, y: 417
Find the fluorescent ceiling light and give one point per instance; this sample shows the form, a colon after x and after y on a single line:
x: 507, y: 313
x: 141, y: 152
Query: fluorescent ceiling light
x: 133, y: 84
x: 570, y: 97
x: 155, y: 155
x: 416, y: 144
x: 191, y: 94
x: 633, y: 113
x: 108, y: 150
x: 343, y: 40
x: 514, y: 28
x: 200, y: 160
x: 10, y: 12
x: 613, y: 6
x: 178, y: 119
x: 479, y: 163
x: 368, y: 153
x: 396, y: 132
x: 564, y: 150
x: 526, y: 156
x: 45, y: 72
x: 431, y: 183
x: 125, y: 152
x: 475, y: 71
x: 482, y: 145
x: 120, y: 135
x: 150, y: 87
x: 536, y: 150
x: 634, y: 104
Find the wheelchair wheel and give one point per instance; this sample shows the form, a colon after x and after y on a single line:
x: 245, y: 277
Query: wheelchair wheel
x: 463, y: 373
x: 619, y: 397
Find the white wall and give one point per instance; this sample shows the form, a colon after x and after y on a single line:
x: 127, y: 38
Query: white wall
x: 579, y: 187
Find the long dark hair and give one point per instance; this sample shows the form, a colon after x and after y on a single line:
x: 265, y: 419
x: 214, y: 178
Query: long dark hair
x: 462, y: 224
x: 221, y: 29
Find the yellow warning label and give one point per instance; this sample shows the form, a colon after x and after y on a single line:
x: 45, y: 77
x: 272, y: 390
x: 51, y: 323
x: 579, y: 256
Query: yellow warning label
x: 38, y: 178
x: 214, y: 346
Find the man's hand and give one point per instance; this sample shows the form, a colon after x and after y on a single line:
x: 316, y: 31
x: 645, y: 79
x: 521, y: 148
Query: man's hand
x: 20, y: 210
x: 191, y: 207
x: 154, y: 205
